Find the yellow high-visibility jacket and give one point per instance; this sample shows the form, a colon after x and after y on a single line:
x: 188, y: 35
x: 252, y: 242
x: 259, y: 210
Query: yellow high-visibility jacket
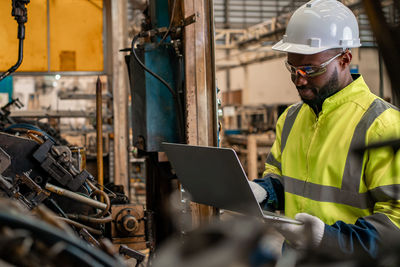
x: 316, y: 161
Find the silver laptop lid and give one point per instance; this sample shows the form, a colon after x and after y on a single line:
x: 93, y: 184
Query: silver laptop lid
x: 213, y: 176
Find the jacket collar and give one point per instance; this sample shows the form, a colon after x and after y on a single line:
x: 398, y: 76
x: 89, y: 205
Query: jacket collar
x: 347, y: 94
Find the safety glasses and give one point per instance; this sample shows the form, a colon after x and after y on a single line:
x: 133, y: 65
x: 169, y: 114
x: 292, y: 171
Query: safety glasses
x: 311, y: 71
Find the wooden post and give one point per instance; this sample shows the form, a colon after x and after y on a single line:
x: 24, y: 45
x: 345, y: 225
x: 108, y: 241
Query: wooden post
x: 252, y: 156
x: 201, y: 124
x: 120, y: 92
x: 99, y: 133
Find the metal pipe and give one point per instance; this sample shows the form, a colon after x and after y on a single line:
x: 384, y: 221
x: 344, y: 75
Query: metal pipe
x: 92, y: 186
x: 99, y: 136
x: 103, y: 197
x: 69, y: 194
x: 80, y: 225
x: 89, y: 219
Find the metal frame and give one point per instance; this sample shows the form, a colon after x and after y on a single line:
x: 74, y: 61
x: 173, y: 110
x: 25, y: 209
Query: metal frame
x: 62, y: 73
x: 251, y: 42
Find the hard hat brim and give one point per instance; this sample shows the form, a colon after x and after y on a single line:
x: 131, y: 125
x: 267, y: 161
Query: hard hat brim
x: 297, y: 48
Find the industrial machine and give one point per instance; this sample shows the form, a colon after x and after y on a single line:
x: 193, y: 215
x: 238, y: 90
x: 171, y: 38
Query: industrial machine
x: 36, y: 171
x: 42, y: 174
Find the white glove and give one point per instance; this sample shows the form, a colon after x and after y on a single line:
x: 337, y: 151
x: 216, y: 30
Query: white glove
x: 259, y: 192
x: 300, y: 236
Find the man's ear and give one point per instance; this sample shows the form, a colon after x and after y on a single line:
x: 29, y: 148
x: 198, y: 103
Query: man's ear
x: 346, y: 59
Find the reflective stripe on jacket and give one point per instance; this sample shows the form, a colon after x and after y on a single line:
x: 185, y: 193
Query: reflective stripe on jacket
x: 316, y: 161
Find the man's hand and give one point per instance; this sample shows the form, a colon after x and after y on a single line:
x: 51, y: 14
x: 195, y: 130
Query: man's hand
x: 300, y: 236
x: 258, y: 191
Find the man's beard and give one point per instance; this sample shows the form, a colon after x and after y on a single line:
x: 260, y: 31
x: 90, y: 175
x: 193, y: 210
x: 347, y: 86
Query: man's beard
x: 329, y: 89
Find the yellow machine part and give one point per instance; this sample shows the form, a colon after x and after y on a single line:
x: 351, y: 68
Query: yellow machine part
x: 75, y: 32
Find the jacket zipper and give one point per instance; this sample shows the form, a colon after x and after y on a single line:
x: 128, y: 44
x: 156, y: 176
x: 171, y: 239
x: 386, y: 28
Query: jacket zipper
x: 315, y: 129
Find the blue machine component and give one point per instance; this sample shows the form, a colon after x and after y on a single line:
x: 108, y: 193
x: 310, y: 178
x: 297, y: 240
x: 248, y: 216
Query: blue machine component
x: 159, y: 14
x: 156, y: 111
x: 161, y: 117
x: 6, y: 86
x: 154, y: 107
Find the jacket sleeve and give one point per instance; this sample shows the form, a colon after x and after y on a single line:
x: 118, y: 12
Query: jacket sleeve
x: 343, y: 240
x: 382, y: 175
x: 382, y: 182
x: 272, y: 176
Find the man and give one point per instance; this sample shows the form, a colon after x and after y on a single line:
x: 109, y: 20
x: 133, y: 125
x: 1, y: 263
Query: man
x: 314, y: 171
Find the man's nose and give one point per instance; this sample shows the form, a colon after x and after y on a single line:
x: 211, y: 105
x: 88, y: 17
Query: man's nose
x: 299, y: 80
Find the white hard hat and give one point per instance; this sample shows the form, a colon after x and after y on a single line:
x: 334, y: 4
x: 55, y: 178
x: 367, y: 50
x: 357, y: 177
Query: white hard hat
x: 320, y: 25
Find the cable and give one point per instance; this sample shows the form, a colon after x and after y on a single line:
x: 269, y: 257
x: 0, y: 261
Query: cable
x: 27, y: 126
x: 16, y: 66
x: 32, y: 135
x: 166, y: 32
x: 102, y: 187
x: 20, y: 14
x: 106, y: 199
x: 148, y: 70
x: 97, y: 191
x: 57, y: 207
x: 87, y: 187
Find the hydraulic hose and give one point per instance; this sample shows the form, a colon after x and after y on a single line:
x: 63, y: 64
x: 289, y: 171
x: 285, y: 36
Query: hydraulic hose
x: 16, y: 66
x: 69, y: 194
x: 89, y: 219
x: 80, y: 225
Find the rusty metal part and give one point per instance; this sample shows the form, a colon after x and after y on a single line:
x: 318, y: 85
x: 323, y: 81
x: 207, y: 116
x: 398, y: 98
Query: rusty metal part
x: 99, y: 132
x: 40, y: 193
x: 80, y: 225
x: 149, y: 215
x: 69, y: 194
x: 62, y: 153
x: 89, y: 238
x: 32, y: 199
x: 126, y: 221
x: 128, y: 226
x: 124, y: 250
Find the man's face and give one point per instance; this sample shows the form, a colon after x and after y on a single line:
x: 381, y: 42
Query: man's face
x: 313, y: 90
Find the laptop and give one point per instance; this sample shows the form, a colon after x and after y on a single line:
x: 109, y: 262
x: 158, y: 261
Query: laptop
x: 214, y: 176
